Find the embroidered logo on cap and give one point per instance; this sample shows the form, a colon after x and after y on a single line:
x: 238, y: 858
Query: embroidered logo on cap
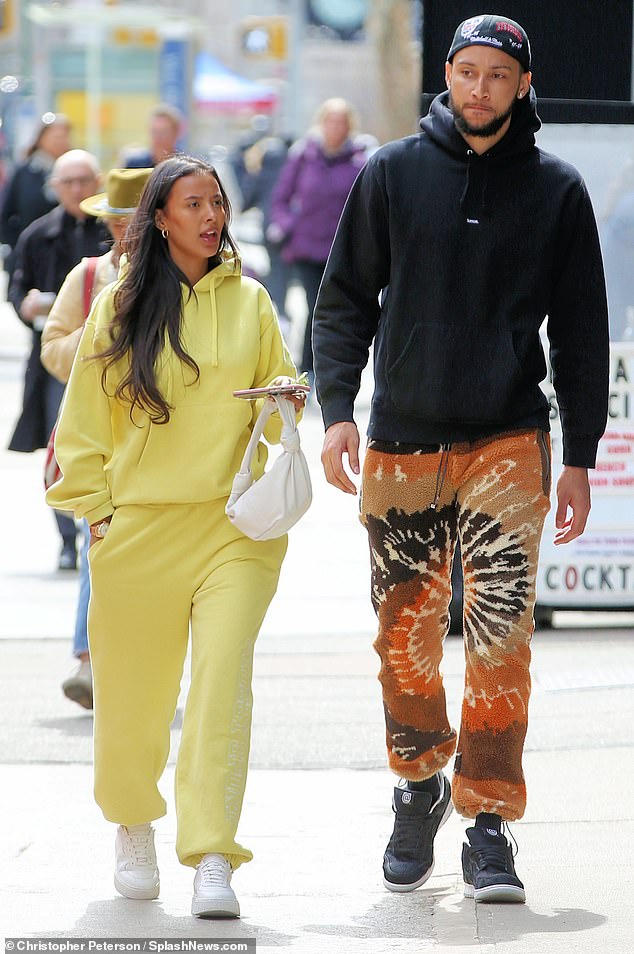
x: 503, y: 27
x: 471, y: 25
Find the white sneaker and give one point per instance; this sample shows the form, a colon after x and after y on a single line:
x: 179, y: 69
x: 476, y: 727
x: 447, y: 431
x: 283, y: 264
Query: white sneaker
x: 136, y: 873
x: 78, y: 687
x: 213, y: 895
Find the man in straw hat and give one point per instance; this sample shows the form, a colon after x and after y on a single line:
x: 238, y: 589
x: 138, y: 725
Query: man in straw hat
x: 60, y: 339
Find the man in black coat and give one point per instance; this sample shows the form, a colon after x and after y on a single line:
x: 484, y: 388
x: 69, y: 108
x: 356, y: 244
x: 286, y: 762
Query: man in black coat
x: 45, y: 253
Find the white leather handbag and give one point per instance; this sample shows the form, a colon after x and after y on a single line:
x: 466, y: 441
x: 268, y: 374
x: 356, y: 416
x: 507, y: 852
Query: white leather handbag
x: 268, y: 507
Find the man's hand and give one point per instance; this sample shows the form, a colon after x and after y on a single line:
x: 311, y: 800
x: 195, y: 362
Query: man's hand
x: 573, y: 491
x: 341, y: 438
x: 30, y: 307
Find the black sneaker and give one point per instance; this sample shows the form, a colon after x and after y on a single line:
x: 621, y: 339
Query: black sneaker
x: 409, y: 857
x: 488, y: 869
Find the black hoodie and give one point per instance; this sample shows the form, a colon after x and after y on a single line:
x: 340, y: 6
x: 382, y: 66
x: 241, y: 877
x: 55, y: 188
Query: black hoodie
x: 451, y: 261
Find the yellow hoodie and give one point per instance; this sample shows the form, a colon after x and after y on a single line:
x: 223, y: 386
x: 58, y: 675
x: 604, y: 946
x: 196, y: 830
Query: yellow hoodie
x: 232, y: 332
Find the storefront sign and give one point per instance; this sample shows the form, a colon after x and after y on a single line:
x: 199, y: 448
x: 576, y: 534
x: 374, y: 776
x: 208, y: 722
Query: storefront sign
x: 597, y: 569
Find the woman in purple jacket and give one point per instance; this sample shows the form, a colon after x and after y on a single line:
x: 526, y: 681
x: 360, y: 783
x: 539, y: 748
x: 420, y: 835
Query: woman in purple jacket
x: 310, y: 195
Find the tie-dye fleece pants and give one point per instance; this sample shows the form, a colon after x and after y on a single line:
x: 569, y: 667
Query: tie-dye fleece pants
x: 493, y: 495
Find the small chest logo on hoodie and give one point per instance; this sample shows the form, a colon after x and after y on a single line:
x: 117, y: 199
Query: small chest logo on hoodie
x: 473, y: 221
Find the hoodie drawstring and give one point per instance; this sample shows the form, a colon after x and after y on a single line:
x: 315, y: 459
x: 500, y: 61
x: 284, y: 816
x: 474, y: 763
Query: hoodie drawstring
x: 476, y: 175
x: 485, y: 185
x: 214, y: 325
x: 465, y: 191
x: 229, y: 267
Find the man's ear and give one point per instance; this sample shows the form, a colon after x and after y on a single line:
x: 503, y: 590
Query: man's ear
x: 448, y: 74
x: 525, y: 85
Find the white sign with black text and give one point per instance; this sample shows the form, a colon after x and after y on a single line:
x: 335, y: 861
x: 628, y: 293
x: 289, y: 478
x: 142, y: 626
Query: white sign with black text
x: 597, y: 569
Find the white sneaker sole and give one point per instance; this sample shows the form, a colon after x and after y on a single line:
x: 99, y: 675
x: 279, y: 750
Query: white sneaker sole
x: 404, y: 888
x: 215, y: 908
x: 501, y: 893
x: 137, y: 894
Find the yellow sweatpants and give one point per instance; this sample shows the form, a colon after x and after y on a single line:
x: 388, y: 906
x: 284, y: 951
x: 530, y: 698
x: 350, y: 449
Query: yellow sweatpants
x: 158, y: 570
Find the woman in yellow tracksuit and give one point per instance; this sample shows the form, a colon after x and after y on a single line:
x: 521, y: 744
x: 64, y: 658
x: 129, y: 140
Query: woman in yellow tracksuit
x: 149, y: 440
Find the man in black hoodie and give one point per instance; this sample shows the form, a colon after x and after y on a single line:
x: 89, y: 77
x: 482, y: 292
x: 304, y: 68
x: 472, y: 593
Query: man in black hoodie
x: 454, y: 246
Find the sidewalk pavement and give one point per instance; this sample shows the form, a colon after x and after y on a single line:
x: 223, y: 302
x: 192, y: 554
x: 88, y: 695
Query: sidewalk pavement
x: 317, y: 810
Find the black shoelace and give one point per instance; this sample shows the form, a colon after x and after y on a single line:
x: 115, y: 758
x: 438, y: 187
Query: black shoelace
x: 409, y: 831
x: 494, y: 855
x: 491, y: 856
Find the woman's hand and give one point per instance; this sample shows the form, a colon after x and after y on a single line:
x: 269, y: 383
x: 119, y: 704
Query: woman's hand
x: 99, y: 530
x: 298, y: 399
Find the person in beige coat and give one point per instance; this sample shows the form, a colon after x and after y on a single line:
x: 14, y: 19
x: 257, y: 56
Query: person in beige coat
x: 60, y: 340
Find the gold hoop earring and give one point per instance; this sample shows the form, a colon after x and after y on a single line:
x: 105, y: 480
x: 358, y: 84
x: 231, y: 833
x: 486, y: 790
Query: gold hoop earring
x: 164, y: 233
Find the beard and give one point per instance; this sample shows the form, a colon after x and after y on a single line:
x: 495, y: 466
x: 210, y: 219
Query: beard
x: 490, y: 129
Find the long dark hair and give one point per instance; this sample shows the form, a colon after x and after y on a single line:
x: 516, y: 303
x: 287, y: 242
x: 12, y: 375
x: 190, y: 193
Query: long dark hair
x: 148, y: 302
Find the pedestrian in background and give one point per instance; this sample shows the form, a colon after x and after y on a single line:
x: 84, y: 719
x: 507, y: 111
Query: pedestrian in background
x: 256, y: 163
x: 28, y: 193
x: 46, y: 251
x: 165, y: 128
x: 149, y: 440
x: 454, y: 246
x: 309, y: 196
x: 60, y: 340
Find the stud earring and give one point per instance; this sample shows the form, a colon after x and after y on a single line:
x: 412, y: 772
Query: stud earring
x: 164, y: 233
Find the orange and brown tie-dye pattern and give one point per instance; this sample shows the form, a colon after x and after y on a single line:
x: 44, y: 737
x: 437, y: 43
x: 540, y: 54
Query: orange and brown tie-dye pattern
x: 493, y: 495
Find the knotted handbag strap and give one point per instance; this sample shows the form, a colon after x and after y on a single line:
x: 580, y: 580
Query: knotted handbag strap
x: 243, y: 478
x: 256, y: 434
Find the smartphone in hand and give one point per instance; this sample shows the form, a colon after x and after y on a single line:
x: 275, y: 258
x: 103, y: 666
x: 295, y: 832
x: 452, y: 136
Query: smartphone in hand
x: 290, y: 390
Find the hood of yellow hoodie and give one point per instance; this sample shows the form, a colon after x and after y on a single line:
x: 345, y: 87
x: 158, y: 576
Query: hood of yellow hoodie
x: 229, y: 267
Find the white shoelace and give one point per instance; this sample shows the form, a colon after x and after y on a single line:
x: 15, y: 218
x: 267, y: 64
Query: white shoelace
x: 141, y: 846
x: 215, y: 871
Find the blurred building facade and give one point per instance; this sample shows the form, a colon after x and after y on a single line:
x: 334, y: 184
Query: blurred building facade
x: 106, y: 62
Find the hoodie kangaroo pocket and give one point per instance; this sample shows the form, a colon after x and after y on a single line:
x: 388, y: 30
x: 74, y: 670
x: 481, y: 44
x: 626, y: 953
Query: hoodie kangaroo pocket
x: 454, y: 373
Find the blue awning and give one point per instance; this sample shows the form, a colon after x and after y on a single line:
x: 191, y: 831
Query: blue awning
x: 218, y: 88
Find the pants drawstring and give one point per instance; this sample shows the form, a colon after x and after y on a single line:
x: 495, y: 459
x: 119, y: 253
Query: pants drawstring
x: 441, y: 473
